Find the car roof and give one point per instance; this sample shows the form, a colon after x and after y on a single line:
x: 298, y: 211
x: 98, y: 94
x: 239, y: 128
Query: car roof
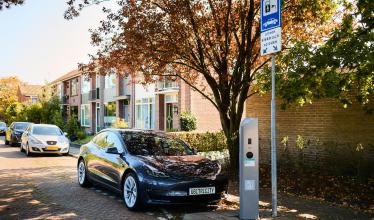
x: 134, y: 130
x: 44, y: 125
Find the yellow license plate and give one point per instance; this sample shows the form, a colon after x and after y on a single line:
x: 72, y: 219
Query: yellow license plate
x: 52, y: 148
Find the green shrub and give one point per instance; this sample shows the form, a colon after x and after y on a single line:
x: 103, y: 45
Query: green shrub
x: 188, y: 121
x: 209, y: 141
x: 58, y: 120
x: 33, y: 113
x: 81, y: 135
x: 73, y: 127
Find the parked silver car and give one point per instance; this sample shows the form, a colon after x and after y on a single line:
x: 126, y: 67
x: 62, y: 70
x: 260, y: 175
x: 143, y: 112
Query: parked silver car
x: 44, y: 138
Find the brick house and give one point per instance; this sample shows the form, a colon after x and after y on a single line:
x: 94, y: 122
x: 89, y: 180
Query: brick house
x: 29, y: 94
x: 323, y: 123
x: 98, y: 100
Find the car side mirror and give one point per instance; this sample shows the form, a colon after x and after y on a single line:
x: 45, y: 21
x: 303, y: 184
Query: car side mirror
x: 112, y: 150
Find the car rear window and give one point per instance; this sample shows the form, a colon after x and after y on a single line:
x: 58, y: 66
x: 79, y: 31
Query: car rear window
x: 46, y: 130
x: 149, y: 144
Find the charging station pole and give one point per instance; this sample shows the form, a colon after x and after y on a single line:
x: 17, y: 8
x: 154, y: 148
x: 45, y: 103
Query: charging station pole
x: 249, y: 169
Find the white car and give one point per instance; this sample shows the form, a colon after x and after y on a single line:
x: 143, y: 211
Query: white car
x: 44, y: 138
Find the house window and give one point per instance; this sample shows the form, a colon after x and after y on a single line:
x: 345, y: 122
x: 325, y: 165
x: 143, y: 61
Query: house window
x: 171, y: 98
x: 74, y: 87
x: 85, y: 87
x: 110, y: 80
x: 34, y: 99
x: 85, y: 116
x: 144, y: 113
x: 109, y: 114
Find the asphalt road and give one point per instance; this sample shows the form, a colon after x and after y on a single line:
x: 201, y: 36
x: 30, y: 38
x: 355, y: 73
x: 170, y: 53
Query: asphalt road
x: 45, y: 187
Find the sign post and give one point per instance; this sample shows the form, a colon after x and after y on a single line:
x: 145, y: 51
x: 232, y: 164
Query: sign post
x: 271, y: 43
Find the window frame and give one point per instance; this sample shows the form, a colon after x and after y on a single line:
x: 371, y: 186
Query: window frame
x: 74, y: 82
x: 85, y: 112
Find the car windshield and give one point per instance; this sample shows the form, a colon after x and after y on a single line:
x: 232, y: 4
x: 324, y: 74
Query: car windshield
x: 46, y: 130
x: 2, y: 124
x: 21, y: 126
x: 148, y: 144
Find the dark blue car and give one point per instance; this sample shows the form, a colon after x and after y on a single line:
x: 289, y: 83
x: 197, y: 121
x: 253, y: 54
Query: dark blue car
x: 149, y: 167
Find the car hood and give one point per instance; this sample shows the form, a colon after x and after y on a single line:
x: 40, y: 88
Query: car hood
x: 45, y: 138
x: 186, y: 166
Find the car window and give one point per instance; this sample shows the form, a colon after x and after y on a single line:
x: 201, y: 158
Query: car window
x: 149, y: 144
x: 101, y: 140
x: 114, y: 141
x: 21, y: 126
x: 46, y: 130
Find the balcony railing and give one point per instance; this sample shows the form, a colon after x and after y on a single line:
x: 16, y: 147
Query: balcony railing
x: 167, y: 85
x: 94, y: 95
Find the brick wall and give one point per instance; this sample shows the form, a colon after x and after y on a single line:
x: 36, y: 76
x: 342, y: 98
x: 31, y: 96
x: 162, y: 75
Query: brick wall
x: 206, y: 114
x: 321, y: 123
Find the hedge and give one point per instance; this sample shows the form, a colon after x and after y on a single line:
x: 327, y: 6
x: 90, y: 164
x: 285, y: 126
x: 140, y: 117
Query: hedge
x: 203, y: 142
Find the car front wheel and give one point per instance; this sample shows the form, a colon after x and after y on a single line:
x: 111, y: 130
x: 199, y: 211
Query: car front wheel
x: 82, y: 174
x: 131, y: 192
x: 28, y: 153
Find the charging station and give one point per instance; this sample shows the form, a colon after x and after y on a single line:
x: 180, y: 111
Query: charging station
x: 248, y: 169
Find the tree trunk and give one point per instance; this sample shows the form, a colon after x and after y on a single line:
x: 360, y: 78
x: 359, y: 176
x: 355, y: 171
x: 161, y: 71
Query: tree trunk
x: 233, y: 147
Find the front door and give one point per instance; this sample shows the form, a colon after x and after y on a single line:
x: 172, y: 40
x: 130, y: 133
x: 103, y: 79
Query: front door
x: 169, y: 116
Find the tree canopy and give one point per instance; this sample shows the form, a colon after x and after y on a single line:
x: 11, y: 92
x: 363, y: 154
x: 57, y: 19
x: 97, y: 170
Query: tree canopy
x: 8, y: 93
x: 215, y: 42
x: 9, y: 3
x: 341, y: 68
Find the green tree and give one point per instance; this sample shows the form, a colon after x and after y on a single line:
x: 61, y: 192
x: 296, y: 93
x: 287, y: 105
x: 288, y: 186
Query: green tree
x: 8, y: 93
x: 342, y: 67
x: 215, y: 42
x: 33, y: 113
x: 49, y: 108
x: 58, y: 120
x: 15, y: 112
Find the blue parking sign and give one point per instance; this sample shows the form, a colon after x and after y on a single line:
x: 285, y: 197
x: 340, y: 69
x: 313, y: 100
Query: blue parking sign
x: 270, y: 14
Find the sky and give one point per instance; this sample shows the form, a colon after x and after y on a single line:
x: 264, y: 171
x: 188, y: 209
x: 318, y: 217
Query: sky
x: 37, y: 44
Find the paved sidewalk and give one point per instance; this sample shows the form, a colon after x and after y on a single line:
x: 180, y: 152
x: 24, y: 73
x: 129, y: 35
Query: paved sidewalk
x: 289, y: 207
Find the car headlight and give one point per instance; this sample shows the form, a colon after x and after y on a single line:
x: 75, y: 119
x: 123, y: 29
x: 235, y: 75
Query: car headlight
x: 154, y: 172
x: 34, y: 140
x: 63, y: 140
